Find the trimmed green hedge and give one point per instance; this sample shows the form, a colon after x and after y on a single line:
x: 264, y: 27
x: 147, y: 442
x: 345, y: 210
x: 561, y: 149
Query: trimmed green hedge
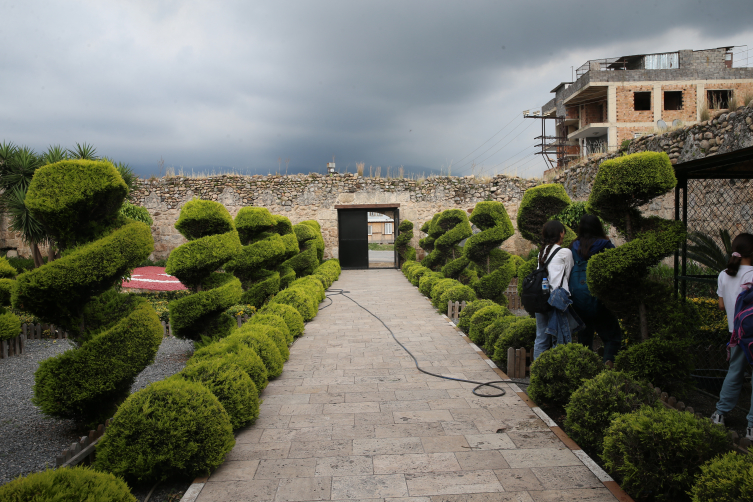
x: 666, y: 364
x: 313, y: 285
x: 91, y: 380
x: 318, y: 240
x: 171, y: 428
x: 73, y: 484
x: 259, y: 342
x: 136, y: 213
x: 7, y: 271
x: 538, y: 206
x: 483, y: 318
x: 438, y: 290
x: 428, y: 281
x: 300, y: 299
x: 289, y: 314
x: 496, y: 227
x: 201, y: 218
x: 193, y: 261
x: 231, y: 385
x: 726, y: 478
x: 560, y: 371
x: 233, y: 351
x: 199, y: 314
x: 464, y: 320
x: 10, y: 325
x: 506, y: 332
x: 328, y: 272
x: 451, y: 227
x: 458, y: 293
x: 276, y: 322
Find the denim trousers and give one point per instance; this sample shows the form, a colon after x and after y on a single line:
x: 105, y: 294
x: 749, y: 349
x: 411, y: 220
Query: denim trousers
x: 733, y: 384
x: 543, y: 339
x: 608, y: 328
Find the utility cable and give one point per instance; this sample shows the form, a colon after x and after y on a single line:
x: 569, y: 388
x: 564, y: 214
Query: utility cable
x: 471, y: 161
x: 488, y: 140
x: 502, y: 391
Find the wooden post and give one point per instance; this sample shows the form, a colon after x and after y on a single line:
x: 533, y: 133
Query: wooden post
x: 521, y: 359
x: 39, y: 330
x: 4, y: 349
x: 511, y: 367
x: 170, y: 328
x: 164, y: 329
x: 238, y: 320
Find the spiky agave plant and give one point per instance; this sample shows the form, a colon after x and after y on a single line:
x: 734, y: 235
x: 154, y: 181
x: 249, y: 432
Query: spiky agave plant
x: 706, y: 250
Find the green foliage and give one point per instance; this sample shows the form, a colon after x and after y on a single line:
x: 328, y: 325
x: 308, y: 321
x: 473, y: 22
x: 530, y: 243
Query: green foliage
x: 464, y: 320
x: 726, y: 478
x: 289, y: 314
x: 91, y: 380
x: 318, y: 240
x: 402, y: 241
x: 172, y: 428
x: 72, y: 484
x: 667, y: 317
x: 233, y: 351
x: 10, y: 325
x: 6, y: 291
x: 300, y: 299
x: 254, y: 223
x: 328, y: 272
x: 447, y: 229
x: 428, y: 281
x: 509, y: 331
x: 483, y: 318
x: 417, y: 273
x: 559, y: 371
x: 599, y: 400
x: 663, y: 363
x: 538, y: 206
x: 7, y: 271
x: 525, y: 269
x: 706, y: 251
x: 201, y: 218
x: 256, y: 338
x: 199, y: 314
x: 136, y: 213
x: 193, y: 261
x: 657, y: 452
x: 438, y: 290
x: 57, y: 291
x: 284, y: 338
x: 76, y: 200
x: 492, y: 286
x: 22, y: 264
x: 496, y: 227
x: 231, y: 385
x: 516, y: 263
x: 313, y: 285
x: 457, y: 293
x: 570, y: 216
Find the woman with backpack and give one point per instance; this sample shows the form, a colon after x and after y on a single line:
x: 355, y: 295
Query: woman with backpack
x: 592, y: 240
x: 734, y: 280
x: 552, y: 324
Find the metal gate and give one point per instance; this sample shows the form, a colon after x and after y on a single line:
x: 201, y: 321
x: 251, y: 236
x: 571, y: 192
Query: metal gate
x: 353, y: 232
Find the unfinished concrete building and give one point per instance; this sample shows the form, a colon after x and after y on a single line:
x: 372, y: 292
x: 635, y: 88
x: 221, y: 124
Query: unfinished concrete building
x: 618, y: 99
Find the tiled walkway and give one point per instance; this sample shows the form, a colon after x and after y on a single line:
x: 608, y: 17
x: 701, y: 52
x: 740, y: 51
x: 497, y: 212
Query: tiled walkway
x: 352, y: 419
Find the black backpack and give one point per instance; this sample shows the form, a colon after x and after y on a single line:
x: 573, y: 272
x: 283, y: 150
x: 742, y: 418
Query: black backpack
x: 536, y: 301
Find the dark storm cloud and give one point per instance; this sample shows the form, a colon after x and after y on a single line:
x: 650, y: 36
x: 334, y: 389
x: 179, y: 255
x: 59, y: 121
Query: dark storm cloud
x: 241, y: 84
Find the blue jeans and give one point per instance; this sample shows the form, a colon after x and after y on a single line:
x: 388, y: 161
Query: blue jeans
x: 733, y: 384
x: 543, y: 339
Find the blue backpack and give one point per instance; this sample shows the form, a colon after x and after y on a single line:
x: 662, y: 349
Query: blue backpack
x: 742, y: 332
x: 585, y: 304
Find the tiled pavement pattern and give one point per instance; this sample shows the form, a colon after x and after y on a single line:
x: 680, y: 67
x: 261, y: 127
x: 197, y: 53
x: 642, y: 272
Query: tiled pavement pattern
x: 352, y: 419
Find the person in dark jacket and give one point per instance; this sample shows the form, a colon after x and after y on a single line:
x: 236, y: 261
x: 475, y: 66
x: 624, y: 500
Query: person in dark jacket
x: 592, y: 240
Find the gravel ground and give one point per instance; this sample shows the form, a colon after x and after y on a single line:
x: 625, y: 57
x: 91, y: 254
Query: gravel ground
x: 31, y: 441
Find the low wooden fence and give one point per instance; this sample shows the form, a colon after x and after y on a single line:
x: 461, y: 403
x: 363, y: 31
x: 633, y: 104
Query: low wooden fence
x: 518, y: 362
x: 513, y: 301
x: 84, y: 449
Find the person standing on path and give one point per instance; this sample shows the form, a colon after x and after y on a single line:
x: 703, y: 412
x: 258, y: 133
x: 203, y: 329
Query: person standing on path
x: 598, y: 319
x: 558, y: 273
x: 731, y: 282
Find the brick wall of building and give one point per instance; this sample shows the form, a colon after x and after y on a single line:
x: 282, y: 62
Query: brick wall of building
x: 593, y: 112
x: 688, y: 112
x: 626, y: 104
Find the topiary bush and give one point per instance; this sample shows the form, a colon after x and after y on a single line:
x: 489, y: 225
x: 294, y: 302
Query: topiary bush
x: 171, y: 428
x: 727, y: 478
x: 402, y: 242
x: 10, y: 325
x: 483, y: 318
x: 514, y: 332
x: 240, y: 354
x: 438, y: 290
x: 313, y: 285
x: 307, y: 260
x: 657, y: 452
x: 417, y: 273
x: 277, y: 322
x: 447, y: 229
x: 289, y: 314
x: 328, y: 272
x: 598, y: 401
x: 559, y: 371
x: 539, y: 204
x: 231, y: 385
x: 256, y: 338
x: 72, y: 484
x: 427, y: 282
x: 264, y: 250
x: 464, y: 319
x: 663, y: 363
x: 457, y: 293
x: 300, y: 299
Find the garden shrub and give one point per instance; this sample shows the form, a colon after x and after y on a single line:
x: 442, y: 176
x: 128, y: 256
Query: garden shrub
x: 457, y: 293
x: 318, y: 240
x: 136, y: 213
x: 539, y: 205
x: 409, y: 267
x: 201, y: 314
x: 559, y: 371
x: 438, y: 290
x: 513, y: 332
x: 92, y: 380
x: 289, y: 314
x: 464, y: 319
x: 402, y: 242
x: 201, y: 218
x: 657, y: 452
x: 328, y: 272
x: 307, y: 260
x: 233, y: 351
x: 171, y: 428
x: 10, y: 325
x: 7, y: 271
x: 313, y: 285
x: 300, y: 299
x: 231, y: 385
x: 727, y: 478
x: 517, y: 261
x: 417, y: 273
x: 663, y: 363
x: 483, y: 318
x: 427, y: 243
x: 72, y: 484
x: 276, y: 322
x: 6, y: 290
x: 599, y: 400
x: 427, y: 282
x: 451, y: 227
x: 256, y: 337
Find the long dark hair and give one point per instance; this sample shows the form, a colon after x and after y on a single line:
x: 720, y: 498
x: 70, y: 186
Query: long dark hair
x: 590, y: 230
x: 550, y: 235
x: 742, y: 245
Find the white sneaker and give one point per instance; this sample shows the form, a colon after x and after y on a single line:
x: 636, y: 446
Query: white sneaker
x: 749, y: 433
x: 718, y: 418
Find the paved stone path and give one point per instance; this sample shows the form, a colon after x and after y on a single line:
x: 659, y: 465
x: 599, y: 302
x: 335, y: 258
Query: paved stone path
x: 352, y: 419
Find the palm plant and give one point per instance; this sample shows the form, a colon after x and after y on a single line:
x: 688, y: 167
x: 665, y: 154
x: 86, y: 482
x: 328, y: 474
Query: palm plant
x: 55, y: 153
x: 705, y: 250
x: 83, y: 151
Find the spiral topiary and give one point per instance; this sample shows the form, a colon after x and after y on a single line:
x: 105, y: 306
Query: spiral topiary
x: 451, y: 227
x: 617, y: 277
x: 427, y: 243
x: 559, y: 371
x: 310, y: 241
x: 67, y: 485
x: 598, y: 401
x: 539, y: 205
x: 78, y: 202
x: 231, y: 385
x: 213, y: 241
x: 263, y: 251
x: 402, y: 242
x: 171, y: 428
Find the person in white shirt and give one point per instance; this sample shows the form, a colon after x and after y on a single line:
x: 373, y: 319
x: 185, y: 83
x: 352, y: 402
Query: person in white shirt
x: 553, y: 233
x: 737, y: 276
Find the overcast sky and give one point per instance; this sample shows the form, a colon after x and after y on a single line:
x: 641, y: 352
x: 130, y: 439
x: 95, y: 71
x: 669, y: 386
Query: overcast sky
x: 238, y: 85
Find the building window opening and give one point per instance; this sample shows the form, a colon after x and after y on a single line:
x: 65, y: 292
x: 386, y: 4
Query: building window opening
x: 642, y: 101
x: 388, y: 228
x: 673, y: 100
x: 718, y: 99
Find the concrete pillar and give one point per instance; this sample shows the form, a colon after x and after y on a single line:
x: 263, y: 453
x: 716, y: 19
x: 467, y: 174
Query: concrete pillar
x: 612, y: 117
x: 700, y: 99
x: 656, y: 95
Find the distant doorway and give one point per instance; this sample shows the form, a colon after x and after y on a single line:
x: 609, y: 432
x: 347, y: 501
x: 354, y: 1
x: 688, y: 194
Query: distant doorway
x: 366, y: 235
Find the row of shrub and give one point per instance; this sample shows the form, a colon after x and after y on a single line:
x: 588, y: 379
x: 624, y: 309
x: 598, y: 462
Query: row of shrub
x: 656, y: 453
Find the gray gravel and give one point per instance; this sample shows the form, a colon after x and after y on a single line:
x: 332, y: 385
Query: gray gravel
x: 31, y: 441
